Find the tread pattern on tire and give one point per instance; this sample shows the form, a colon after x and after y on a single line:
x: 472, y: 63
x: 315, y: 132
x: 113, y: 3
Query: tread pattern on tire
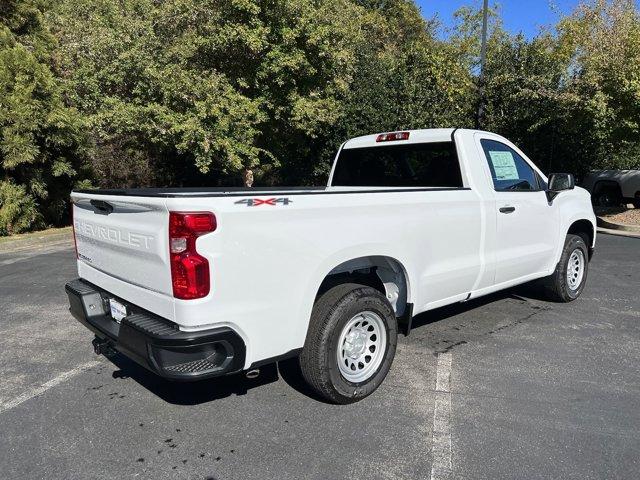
x: 556, y: 284
x: 316, y: 359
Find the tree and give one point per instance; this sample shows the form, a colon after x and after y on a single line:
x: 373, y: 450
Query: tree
x: 527, y: 101
x: 42, y: 142
x: 601, y: 41
x: 569, y: 98
x: 404, y: 78
x: 203, y: 89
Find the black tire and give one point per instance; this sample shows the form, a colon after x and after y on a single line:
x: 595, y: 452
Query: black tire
x: 331, y: 313
x: 556, y: 285
x: 607, y: 195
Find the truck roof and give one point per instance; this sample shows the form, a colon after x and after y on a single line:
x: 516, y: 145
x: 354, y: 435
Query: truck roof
x: 415, y: 136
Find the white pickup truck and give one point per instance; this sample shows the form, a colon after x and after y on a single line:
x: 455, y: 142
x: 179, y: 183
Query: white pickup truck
x: 196, y: 283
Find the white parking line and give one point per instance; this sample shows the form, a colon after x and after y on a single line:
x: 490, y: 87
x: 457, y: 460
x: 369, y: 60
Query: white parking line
x: 35, y: 391
x: 441, y: 467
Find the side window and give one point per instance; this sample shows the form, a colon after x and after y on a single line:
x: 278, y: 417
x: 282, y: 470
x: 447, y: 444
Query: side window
x: 509, y: 170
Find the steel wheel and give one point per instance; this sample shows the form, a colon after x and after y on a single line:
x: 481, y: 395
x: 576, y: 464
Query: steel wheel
x: 575, y: 269
x: 361, y: 347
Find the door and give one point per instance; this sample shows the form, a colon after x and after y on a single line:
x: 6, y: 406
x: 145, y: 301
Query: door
x: 527, y: 225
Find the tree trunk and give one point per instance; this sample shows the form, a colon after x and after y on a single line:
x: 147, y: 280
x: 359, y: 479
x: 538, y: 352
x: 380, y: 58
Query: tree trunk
x: 247, y: 177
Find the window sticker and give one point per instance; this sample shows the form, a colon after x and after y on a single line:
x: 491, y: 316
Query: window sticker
x: 504, y: 165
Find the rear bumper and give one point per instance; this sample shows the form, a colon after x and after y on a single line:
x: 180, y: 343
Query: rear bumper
x: 154, y: 342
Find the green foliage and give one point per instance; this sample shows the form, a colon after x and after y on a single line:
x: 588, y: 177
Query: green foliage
x: 602, y: 43
x: 216, y: 85
x: 401, y: 78
x: 570, y: 99
x: 18, y: 210
x: 42, y: 140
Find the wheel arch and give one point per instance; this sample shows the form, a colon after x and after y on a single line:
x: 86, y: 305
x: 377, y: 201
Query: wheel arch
x: 586, y: 229
x: 373, y: 264
x: 606, y: 185
x: 384, y: 273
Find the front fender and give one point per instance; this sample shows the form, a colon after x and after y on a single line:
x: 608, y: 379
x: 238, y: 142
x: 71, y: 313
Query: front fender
x: 574, y: 205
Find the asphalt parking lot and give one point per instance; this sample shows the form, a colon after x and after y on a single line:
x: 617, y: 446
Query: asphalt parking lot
x: 532, y: 390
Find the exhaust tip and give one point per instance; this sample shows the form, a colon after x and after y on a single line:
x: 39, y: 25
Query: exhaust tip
x: 251, y: 374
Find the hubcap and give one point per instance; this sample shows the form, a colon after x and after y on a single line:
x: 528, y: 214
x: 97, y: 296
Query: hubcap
x: 575, y: 269
x: 361, y: 346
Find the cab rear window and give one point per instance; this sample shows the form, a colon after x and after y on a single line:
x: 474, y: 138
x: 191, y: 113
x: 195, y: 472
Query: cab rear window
x: 414, y: 165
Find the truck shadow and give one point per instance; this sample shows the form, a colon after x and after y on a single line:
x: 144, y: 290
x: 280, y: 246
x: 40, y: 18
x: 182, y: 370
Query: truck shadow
x: 445, y: 328
x: 439, y: 330
x: 191, y: 393
x: 442, y: 329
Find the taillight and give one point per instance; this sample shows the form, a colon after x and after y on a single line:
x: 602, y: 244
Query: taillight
x: 189, y: 270
x: 389, y: 137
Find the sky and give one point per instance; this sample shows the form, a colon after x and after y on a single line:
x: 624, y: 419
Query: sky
x: 525, y: 16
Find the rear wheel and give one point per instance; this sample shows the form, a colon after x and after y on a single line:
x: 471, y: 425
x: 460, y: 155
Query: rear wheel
x: 570, y: 276
x: 350, y: 344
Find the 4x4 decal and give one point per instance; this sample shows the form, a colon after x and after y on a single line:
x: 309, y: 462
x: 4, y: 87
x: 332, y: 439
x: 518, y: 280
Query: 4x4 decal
x: 256, y: 202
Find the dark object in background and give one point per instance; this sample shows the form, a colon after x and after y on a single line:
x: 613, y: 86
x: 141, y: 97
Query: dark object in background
x: 612, y: 188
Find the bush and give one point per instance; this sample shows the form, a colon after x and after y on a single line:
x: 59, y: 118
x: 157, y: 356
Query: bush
x: 18, y: 210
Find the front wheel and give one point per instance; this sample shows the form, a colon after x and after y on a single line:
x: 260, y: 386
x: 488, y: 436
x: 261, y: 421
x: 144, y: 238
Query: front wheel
x: 350, y: 344
x: 570, y: 276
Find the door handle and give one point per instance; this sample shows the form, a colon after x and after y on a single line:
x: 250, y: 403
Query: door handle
x: 102, y: 206
x: 507, y: 209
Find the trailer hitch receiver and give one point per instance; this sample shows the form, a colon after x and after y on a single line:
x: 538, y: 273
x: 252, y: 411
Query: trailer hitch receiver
x: 102, y: 347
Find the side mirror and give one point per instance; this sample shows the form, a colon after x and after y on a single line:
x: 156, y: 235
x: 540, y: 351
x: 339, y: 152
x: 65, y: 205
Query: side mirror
x: 559, y: 182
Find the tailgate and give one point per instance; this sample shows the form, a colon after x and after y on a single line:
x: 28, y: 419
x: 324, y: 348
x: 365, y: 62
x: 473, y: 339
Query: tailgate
x: 124, y: 237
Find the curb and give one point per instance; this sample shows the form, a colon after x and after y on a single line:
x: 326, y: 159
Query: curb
x: 617, y: 226
x: 618, y: 233
x: 45, y: 238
